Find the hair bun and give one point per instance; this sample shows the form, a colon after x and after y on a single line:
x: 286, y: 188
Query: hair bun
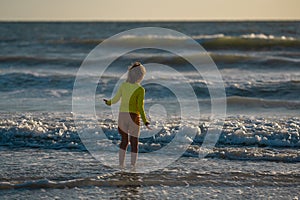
x: 136, y: 64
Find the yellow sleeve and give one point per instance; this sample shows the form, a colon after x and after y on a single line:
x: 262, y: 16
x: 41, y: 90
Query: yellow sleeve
x: 117, y: 97
x: 140, y: 104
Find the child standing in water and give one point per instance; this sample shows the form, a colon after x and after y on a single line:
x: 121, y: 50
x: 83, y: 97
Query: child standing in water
x: 132, y: 96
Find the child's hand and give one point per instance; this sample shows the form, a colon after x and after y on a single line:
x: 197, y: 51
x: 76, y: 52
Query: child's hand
x: 147, y: 125
x: 105, y: 100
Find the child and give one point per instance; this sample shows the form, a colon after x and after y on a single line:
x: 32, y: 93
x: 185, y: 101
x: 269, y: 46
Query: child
x: 131, y: 108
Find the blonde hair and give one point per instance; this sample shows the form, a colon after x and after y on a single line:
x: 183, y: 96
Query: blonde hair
x: 136, y: 73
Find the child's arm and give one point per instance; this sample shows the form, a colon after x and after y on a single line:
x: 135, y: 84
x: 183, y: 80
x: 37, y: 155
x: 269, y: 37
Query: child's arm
x: 140, y: 102
x: 115, y: 99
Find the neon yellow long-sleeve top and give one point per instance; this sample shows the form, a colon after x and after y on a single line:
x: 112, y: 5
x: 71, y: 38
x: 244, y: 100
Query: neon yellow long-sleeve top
x: 132, y: 99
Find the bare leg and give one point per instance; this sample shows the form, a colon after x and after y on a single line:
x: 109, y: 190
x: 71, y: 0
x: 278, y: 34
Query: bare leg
x: 122, y: 155
x: 134, y: 150
x: 133, y: 159
x: 123, y: 148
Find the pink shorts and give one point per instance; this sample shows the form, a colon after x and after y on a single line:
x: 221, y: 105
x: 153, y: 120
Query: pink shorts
x: 129, y: 123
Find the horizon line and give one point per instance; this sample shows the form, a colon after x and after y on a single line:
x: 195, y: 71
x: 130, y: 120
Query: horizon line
x: 150, y: 20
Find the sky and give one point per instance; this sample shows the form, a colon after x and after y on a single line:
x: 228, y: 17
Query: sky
x: 148, y: 10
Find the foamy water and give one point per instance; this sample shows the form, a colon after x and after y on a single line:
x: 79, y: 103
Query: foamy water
x: 255, y: 156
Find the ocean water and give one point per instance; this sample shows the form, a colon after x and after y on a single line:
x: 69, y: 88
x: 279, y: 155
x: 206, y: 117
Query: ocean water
x: 255, y: 156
